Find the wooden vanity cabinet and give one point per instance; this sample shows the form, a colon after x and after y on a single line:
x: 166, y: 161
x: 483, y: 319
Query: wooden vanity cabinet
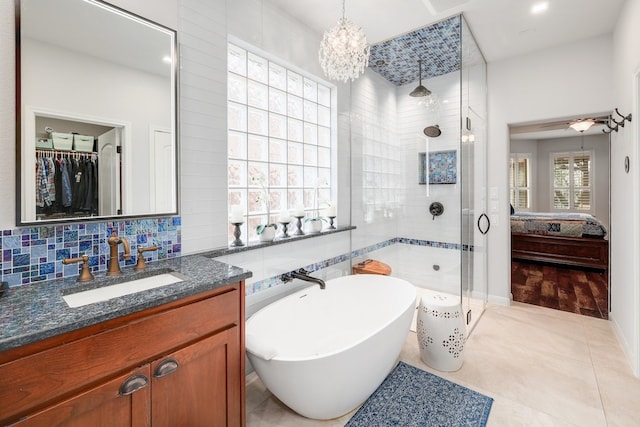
x: 178, y: 364
x: 203, y: 371
x: 102, y: 405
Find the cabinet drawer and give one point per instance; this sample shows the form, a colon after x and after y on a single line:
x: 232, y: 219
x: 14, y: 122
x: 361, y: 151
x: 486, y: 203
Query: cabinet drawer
x: 44, y: 377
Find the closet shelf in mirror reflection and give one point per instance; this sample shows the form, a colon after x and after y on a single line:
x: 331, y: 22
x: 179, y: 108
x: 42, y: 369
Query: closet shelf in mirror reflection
x: 45, y: 152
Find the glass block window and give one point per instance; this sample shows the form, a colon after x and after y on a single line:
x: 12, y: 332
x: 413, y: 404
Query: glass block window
x: 279, y: 141
x: 572, y: 181
x: 520, y: 181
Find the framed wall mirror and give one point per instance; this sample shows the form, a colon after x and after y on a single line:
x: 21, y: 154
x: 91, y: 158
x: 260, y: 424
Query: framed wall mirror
x: 96, y: 106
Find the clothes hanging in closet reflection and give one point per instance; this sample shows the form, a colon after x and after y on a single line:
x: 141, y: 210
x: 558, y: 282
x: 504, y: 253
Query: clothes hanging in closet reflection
x: 66, y: 183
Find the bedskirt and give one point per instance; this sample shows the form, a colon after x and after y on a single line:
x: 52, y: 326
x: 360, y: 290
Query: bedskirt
x: 571, y: 251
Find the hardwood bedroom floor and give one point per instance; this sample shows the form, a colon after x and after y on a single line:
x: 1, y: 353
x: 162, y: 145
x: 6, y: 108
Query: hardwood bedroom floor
x: 575, y: 290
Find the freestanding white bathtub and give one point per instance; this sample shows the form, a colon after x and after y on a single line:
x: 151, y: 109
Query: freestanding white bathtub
x: 322, y: 352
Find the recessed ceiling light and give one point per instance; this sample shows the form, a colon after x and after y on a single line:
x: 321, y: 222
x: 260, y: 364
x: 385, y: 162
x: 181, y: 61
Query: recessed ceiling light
x: 539, y: 7
x: 167, y: 59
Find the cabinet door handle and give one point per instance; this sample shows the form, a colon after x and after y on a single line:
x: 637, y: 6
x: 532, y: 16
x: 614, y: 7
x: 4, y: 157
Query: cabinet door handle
x: 165, y: 368
x: 133, y: 384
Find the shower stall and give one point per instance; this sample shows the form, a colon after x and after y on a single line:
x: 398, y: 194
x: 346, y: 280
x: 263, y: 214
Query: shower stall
x: 419, y: 199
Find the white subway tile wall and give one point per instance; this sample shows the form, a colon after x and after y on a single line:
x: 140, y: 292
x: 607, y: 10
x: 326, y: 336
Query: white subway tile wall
x: 377, y: 136
x: 203, y: 122
x: 417, y: 223
x: 377, y: 193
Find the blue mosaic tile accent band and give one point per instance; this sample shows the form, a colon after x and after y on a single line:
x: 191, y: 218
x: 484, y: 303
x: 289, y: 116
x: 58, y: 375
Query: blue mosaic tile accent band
x: 35, y: 254
x: 438, y: 46
x: 270, y: 282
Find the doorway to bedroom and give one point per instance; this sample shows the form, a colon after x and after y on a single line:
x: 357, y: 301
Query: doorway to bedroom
x: 559, y: 174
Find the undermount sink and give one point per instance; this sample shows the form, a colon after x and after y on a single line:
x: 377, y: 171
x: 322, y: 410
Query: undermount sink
x: 104, y: 293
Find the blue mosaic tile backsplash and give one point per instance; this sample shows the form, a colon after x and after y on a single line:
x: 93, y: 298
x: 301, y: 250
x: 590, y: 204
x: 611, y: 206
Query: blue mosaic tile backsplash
x: 35, y: 254
x: 438, y: 46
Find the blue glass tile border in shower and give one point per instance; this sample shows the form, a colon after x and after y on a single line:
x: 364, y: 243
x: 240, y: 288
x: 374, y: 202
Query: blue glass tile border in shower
x: 270, y: 282
x: 35, y: 254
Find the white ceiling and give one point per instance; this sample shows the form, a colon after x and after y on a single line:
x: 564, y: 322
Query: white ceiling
x: 502, y: 28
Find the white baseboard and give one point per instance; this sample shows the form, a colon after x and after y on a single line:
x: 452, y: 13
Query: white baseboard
x: 493, y: 299
x: 626, y: 348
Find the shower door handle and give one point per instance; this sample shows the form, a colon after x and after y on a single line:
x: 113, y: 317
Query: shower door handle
x: 488, y: 223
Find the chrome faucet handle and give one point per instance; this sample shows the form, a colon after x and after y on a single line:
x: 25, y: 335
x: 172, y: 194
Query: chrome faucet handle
x: 286, y: 277
x: 140, y: 262
x: 85, y: 274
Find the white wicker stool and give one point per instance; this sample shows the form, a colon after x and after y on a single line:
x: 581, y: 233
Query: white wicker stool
x: 441, y: 331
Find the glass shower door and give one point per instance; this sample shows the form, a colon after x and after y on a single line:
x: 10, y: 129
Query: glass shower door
x: 475, y: 222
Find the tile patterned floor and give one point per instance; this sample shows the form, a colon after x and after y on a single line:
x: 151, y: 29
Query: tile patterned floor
x: 581, y: 291
x: 543, y: 367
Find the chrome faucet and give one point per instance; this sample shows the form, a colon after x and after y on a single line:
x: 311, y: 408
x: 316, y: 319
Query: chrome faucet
x: 114, y: 263
x: 302, y: 274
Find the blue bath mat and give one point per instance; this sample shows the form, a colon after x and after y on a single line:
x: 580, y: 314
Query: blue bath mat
x: 412, y: 397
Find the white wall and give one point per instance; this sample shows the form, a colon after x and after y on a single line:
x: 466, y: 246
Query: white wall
x: 625, y: 199
x: 7, y: 116
x: 204, y: 26
x: 377, y: 187
x: 203, y: 124
x: 204, y: 29
x: 536, y: 87
x: 426, y: 267
x: 387, y: 135
x: 416, y: 221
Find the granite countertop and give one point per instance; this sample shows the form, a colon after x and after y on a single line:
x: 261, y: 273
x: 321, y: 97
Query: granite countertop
x: 34, y: 312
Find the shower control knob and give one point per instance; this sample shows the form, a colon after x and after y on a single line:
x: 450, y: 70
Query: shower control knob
x: 436, y: 209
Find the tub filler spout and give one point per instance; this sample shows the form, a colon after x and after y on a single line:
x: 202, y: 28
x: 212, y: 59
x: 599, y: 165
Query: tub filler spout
x: 303, y: 274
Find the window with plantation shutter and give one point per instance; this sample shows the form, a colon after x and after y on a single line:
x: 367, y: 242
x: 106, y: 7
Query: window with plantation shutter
x: 520, y: 181
x: 572, y: 181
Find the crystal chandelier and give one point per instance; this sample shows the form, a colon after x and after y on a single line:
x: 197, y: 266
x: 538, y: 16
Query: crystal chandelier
x: 344, y: 51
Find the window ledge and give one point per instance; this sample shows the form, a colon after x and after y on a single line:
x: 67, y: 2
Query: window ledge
x: 277, y: 241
